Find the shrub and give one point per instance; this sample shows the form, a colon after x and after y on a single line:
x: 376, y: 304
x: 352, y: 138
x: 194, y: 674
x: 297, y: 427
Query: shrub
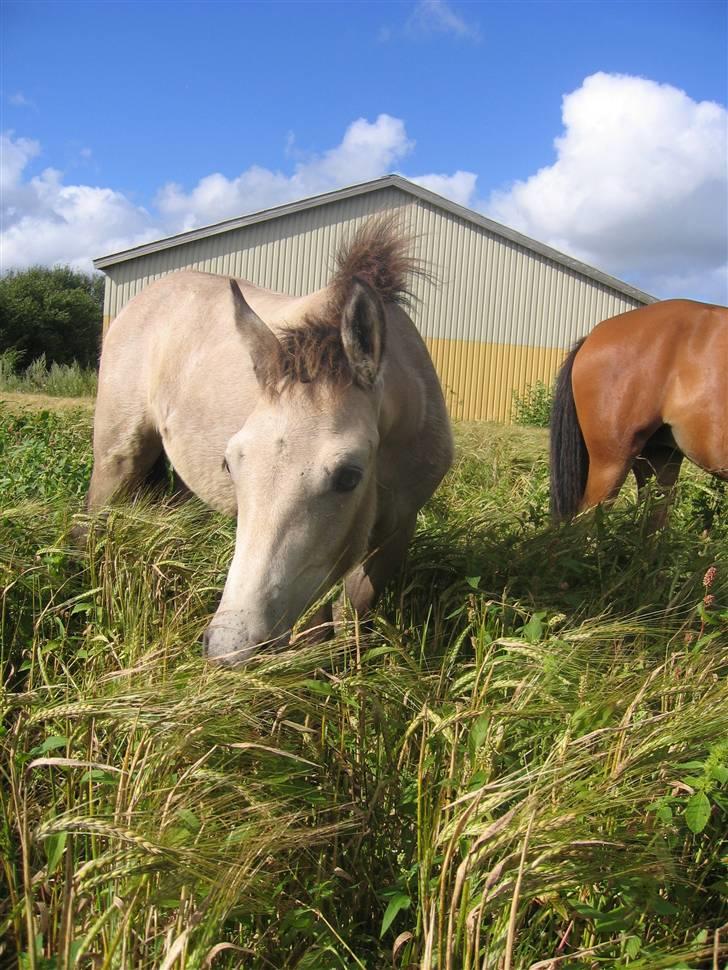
x: 533, y: 407
x: 53, y: 312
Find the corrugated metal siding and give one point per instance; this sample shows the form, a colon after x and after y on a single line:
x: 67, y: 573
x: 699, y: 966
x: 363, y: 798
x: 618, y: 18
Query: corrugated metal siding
x: 493, y: 290
x: 292, y: 254
x: 500, y: 318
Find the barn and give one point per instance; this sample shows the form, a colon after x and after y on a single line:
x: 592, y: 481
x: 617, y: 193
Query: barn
x: 500, y: 317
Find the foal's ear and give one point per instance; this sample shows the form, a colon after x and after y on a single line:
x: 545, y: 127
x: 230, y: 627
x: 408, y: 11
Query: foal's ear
x: 363, y: 332
x: 263, y: 345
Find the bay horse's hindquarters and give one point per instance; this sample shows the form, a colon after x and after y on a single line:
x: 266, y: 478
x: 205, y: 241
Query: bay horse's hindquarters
x: 644, y: 390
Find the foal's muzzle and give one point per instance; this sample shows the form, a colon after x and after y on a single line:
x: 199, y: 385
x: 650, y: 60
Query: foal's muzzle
x: 225, y: 647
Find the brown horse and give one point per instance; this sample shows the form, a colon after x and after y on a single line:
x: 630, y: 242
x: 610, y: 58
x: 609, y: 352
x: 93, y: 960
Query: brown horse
x: 643, y: 390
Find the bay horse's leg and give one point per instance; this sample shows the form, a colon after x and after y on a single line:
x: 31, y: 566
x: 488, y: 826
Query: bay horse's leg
x: 662, y: 463
x: 608, y: 435
x: 606, y: 477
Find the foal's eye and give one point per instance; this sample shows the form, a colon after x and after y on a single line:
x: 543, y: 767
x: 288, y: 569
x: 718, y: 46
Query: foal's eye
x: 346, y: 479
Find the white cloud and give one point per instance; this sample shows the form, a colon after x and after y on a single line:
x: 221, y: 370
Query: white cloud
x: 459, y: 187
x: 19, y: 100
x: 639, y: 187
x: 438, y: 17
x: 45, y: 221
x: 15, y: 153
x: 367, y: 150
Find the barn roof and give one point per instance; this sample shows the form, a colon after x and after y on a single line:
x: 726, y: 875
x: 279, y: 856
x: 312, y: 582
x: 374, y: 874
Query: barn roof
x: 375, y: 185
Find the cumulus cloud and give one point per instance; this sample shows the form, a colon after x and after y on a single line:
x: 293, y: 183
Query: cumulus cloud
x: 459, y: 187
x: 367, y: 150
x: 45, y: 221
x: 15, y: 153
x: 639, y: 187
x: 438, y: 17
x: 19, y: 100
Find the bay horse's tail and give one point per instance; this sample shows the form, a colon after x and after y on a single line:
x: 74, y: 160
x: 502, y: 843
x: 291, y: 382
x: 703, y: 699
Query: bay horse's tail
x: 569, y: 457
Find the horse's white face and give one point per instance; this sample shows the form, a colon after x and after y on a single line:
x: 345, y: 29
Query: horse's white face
x: 305, y: 482
x: 304, y: 471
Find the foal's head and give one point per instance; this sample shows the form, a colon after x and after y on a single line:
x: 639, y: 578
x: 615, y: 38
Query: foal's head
x: 303, y: 467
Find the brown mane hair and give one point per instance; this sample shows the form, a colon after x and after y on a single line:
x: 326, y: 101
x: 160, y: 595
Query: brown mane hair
x: 378, y: 255
x: 311, y: 353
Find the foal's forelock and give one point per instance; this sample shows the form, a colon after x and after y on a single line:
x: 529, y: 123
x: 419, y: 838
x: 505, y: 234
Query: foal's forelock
x: 344, y: 343
x: 311, y: 354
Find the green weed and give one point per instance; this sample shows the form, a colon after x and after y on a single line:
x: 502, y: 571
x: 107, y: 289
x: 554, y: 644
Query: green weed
x: 533, y: 406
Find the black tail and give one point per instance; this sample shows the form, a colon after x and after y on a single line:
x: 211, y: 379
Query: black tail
x: 569, y: 457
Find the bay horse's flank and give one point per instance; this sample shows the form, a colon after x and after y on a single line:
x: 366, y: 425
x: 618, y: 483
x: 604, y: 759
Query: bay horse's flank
x: 643, y: 390
x: 323, y: 428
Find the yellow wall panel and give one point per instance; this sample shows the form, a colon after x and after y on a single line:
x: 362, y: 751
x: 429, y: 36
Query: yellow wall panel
x: 478, y: 379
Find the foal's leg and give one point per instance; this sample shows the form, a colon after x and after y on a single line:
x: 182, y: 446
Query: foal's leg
x: 319, y: 626
x: 364, y: 585
x: 126, y: 448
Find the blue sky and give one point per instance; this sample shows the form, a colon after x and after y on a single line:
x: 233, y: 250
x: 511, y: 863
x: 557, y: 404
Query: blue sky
x: 126, y: 121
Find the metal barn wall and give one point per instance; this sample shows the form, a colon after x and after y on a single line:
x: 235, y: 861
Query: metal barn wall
x: 500, y: 318
x: 292, y: 253
x: 503, y: 315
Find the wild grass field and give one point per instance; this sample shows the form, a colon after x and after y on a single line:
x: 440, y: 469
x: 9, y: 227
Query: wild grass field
x: 523, y: 763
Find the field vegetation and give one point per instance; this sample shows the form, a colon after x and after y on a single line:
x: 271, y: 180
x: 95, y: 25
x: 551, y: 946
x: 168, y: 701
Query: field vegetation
x: 522, y: 763
x: 532, y: 407
x: 55, y: 380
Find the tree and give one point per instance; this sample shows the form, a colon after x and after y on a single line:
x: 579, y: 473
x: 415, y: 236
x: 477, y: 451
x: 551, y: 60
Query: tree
x: 56, y: 312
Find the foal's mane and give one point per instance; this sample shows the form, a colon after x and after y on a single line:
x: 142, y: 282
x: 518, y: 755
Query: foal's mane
x: 377, y: 255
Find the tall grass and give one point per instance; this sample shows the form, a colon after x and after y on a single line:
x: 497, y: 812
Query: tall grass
x: 58, y: 380
x: 522, y: 762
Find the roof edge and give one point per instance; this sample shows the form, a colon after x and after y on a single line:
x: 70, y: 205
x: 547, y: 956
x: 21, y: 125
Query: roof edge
x: 520, y: 239
x: 240, y: 222
x: 361, y: 188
